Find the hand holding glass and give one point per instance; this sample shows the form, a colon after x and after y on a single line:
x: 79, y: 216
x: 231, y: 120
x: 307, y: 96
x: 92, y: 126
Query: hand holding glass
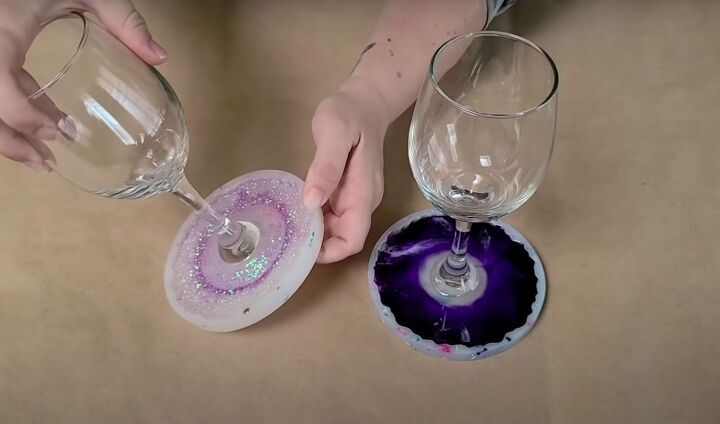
x: 120, y: 132
x: 121, y: 128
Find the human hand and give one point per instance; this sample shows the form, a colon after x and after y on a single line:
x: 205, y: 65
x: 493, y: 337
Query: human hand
x: 22, y: 122
x: 346, y: 176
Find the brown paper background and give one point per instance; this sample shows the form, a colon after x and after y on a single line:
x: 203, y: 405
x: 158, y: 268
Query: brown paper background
x: 626, y: 222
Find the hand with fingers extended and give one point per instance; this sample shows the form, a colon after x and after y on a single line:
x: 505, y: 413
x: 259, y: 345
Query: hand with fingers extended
x: 346, y: 176
x: 22, y: 122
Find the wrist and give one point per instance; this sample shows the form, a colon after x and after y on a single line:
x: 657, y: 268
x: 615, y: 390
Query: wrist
x: 370, y: 97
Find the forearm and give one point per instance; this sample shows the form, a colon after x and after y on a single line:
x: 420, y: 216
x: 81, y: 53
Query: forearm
x: 395, y: 62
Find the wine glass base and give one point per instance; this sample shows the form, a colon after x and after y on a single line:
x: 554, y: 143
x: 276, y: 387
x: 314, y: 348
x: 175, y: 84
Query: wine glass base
x: 219, y: 296
x: 482, y: 323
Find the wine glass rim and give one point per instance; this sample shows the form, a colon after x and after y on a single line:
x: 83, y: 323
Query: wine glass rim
x: 473, y: 112
x: 81, y: 44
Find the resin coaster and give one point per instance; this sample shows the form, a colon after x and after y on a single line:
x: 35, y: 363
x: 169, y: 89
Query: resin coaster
x: 485, y: 325
x: 217, y: 296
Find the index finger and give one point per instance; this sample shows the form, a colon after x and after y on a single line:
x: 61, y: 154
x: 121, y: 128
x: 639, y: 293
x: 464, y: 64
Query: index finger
x: 16, y: 109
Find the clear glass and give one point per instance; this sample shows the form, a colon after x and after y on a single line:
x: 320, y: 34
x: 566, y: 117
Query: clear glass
x: 120, y: 128
x: 481, y: 137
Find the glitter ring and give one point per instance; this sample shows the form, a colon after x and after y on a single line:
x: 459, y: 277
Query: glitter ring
x: 217, y: 296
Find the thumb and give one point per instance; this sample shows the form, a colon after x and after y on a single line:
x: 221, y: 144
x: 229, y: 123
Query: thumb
x: 127, y: 24
x: 334, y: 140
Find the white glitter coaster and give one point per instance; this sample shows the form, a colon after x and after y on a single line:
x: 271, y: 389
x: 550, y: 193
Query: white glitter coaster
x: 217, y: 296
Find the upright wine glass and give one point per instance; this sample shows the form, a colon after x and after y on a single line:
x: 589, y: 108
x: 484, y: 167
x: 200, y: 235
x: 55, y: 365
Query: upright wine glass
x: 120, y: 132
x: 464, y: 285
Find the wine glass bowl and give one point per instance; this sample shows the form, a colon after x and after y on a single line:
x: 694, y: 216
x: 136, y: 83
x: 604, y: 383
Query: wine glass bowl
x: 482, y: 131
x: 121, y: 129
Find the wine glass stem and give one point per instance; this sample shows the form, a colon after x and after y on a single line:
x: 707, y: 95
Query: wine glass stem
x: 237, y: 239
x: 456, y: 262
x: 454, y: 276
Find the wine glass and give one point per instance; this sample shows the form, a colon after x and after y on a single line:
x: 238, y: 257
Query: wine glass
x: 121, y: 133
x: 464, y: 285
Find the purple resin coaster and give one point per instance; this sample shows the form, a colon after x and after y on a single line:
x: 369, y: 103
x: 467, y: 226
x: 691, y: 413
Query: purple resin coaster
x: 502, y: 314
x: 218, y: 296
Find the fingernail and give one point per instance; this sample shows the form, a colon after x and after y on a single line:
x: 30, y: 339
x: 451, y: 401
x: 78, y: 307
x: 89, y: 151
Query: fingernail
x: 37, y: 166
x: 159, y: 51
x: 314, y: 199
x: 69, y: 128
x: 47, y: 134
